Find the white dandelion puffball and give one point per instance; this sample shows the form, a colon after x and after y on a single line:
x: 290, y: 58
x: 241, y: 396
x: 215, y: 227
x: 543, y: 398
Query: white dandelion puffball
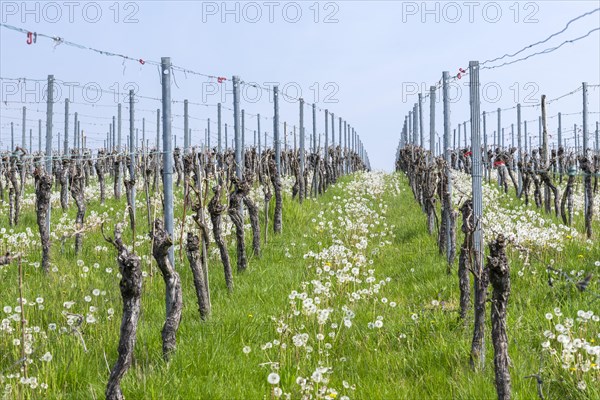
x: 273, y: 378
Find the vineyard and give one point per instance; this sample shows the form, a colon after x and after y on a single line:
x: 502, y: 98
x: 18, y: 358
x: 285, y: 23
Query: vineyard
x: 249, y: 262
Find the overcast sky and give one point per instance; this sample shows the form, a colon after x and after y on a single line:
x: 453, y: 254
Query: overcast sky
x: 363, y: 60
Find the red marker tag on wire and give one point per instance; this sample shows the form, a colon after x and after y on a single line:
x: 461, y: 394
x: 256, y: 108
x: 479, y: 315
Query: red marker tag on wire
x: 221, y: 79
x: 142, y: 61
x: 29, y: 37
x: 462, y: 71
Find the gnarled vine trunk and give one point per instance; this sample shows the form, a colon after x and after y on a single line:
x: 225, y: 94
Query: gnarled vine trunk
x: 161, y: 243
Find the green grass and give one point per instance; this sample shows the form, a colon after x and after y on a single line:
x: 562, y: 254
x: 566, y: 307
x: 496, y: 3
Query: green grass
x: 432, y: 362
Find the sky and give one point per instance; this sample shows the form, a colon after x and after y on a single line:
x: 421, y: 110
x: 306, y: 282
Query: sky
x: 365, y: 61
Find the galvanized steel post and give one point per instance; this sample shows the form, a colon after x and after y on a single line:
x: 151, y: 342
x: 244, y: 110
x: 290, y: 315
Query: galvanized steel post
x: 118, y: 128
x: 276, y: 140
x: 243, y: 139
x: 23, y: 127
x: 66, y: 144
x: 49, y: 112
x: 314, y: 128
x: 448, y: 157
x: 326, y: 148
x: 500, y: 134
x: 258, y: 129
x: 519, y: 151
x: 560, y: 142
x: 186, y: 127
x: 167, y: 150
x: 301, y: 141
x: 219, y: 148
x: 432, y: 121
x: 421, y: 141
x: 132, y: 150
x: 236, y: 126
x: 585, y: 119
x: 476, y: 183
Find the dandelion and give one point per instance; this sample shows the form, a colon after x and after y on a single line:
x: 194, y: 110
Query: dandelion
x: 273, y: 378
x: 317, y: 376
x: 46, y: 357
x: 277, y: 392
x: 557, y: 312
x: 549, y: 316
x: 96, y: 292
x: 246, y: 349
x: 7, y: 309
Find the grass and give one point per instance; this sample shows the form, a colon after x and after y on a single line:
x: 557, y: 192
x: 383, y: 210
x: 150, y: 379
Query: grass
x: 430, y: 362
